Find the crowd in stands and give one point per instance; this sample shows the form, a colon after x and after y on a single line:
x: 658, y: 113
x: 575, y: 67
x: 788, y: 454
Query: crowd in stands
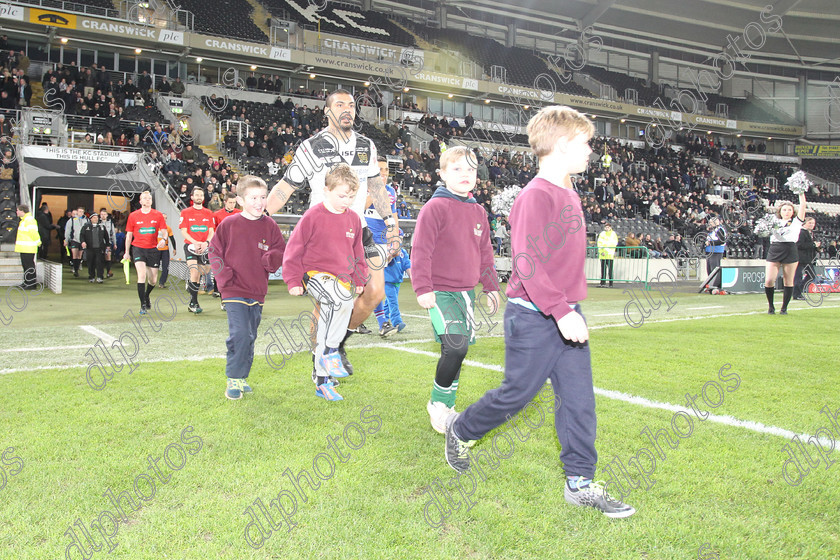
x: 15, y: 88
x: 661, y: 186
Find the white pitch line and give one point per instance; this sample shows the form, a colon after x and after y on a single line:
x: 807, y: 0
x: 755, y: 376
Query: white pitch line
x: 705, y: 307
x: 641, y: 401
x: 75, y: 366
x: 607, y: 314
x: 106, y: 338
x: 415, y: 316
x: 45, y: 348
x: 424, y: 340
x: 702, y: 317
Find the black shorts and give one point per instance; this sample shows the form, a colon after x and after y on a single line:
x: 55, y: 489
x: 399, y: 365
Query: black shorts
x: 149, y: 256
x: 202, y: 259
x: 74, y: 244
x: 784, y: 253
x: 369, y: 244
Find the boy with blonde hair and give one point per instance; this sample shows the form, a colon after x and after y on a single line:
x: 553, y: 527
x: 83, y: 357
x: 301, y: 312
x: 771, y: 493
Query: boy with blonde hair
x: 326, y: 238
x: 546, y: 337
x: 246, y: 248
x: 450, y: 249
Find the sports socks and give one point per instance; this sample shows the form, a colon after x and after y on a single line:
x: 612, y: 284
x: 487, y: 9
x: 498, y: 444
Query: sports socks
x: 192, y: 288
x: 453, y: 350
x: 379, y: 311
x: 787, y: 296
x: 577, y: 482
x: 769, y: 292
x: 141, y: 291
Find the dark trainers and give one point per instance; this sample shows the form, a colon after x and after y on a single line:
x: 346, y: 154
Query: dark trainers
x: 234, y: 389
x: 348, y: 367
x: 143, y: 309
x: 362, y: 329
x: 595, y: 496
x: 194, y: 308
x: 387, y: 329
x: 244, y: 387
x: 457, y: 451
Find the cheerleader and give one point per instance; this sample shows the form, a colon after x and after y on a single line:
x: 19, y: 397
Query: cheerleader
x: 782, y: 252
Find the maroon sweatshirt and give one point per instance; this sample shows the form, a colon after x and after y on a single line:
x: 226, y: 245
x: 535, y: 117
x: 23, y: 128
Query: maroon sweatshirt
x: 326, y: 242
x: 548, y: 240
x: 451, y: 250
x: 247, y: 252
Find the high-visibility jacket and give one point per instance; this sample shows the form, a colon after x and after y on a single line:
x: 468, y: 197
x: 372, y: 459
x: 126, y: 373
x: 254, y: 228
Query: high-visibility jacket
x: 28, y: 240
x: 607, y: 242
x: 606, y: 160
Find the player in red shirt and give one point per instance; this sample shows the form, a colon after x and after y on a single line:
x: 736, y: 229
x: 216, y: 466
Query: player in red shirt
x: 197, y: 226
x: 229, y: 209
x: 141, y: 233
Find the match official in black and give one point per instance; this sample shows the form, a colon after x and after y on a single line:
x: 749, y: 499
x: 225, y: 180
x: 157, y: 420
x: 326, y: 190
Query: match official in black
x: 807, y: 254
x: 715, y: 247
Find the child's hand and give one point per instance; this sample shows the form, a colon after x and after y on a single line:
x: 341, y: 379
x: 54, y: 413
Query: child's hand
x: 359, y: 290
x: 573, y: 327
x: 427, y: 301
x: 493, y: 302
x: 296, y: 291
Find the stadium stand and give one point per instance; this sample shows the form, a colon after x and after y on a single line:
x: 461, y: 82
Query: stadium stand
x: 621, y: 82
x: 215, y: 17
x: 369, y: 25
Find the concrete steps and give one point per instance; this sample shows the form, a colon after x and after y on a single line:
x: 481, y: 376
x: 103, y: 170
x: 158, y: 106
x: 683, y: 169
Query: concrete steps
x: 213, y: 151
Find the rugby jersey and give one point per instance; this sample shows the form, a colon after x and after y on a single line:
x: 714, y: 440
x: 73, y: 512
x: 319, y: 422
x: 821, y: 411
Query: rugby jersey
x: 144, y: 228
x: 317, y: 155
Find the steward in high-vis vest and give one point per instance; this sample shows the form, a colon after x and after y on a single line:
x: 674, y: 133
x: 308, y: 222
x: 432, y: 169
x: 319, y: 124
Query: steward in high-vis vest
x: 27, y: 242
x: 607, y: 242
x: 606, y: 160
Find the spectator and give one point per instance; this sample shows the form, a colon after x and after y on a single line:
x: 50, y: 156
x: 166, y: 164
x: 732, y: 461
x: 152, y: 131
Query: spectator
x: 403, y: 211
x: 178, y: 88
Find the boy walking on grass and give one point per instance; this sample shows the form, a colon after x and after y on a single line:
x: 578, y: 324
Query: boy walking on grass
x: 325, y: 240
x: 451, y: 252
x: 247, y: 247
x: 546, y: 337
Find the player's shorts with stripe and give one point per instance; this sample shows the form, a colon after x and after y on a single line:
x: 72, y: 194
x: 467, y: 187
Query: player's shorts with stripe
x: 453, y: 314
x: 149, y: 256
x: 202, y: 259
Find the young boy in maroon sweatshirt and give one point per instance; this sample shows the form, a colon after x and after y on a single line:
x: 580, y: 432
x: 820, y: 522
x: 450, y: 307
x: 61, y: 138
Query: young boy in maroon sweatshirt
x: 451, y: 248
x: 326, y: 238
x: 546, y: 337
x: 246, y: 248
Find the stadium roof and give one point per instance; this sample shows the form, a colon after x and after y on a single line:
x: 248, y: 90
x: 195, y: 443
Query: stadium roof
x: 693, y: 29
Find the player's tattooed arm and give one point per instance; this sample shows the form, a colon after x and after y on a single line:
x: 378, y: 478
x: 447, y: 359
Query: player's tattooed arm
x: 379, y: 196
x: 278, y: 196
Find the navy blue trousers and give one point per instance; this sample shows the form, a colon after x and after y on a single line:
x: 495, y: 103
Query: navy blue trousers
x: 535, y: 351
x: 243, y: 321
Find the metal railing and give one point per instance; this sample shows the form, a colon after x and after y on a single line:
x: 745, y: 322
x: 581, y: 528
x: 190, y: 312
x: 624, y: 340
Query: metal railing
x: 630, y: 265
x: 239, y: 128
x: 72, y: 7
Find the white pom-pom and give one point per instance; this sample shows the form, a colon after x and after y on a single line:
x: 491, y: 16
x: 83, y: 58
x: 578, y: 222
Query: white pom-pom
x: 765, y: 226
x: 798, y: 183
x: 502, y: 202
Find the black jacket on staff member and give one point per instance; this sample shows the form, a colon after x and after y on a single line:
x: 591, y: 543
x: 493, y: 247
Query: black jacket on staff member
x: 807, y: 250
